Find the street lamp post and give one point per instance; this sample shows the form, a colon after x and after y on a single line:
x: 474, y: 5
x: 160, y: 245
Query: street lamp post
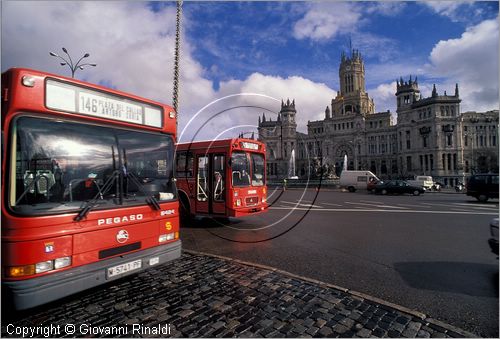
x: 73, y: 67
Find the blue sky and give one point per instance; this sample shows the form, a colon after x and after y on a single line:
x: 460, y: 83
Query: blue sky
x: 275, y: 50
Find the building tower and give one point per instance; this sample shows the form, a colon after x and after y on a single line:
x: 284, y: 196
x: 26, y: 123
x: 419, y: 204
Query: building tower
x: 288, y: 127
x: 407, y: 93
x: 352, y: 98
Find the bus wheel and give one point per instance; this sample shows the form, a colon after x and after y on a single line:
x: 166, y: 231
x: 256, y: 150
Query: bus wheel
x: 351, y: 189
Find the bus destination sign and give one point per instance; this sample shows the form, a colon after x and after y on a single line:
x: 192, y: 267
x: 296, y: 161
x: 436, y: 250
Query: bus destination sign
x: 75, y: 99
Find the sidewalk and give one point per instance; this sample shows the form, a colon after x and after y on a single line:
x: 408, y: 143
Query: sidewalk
x: 203, y: 295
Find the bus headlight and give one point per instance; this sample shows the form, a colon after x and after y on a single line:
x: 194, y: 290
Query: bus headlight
x: 44, y: 266
x: 167, y: 237
x: 62, y: 262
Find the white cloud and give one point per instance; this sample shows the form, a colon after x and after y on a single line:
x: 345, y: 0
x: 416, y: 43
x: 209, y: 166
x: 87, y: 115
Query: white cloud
x: 449, y: 9
x: 388, y: 8
x: 325, y: 21
x: 262, y: 94
x: 132, y: 45
x: 472, y: 62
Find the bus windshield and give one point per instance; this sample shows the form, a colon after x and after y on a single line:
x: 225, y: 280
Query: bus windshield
x: 257, y: 169
x: 240, y: 167
x: 58, y: 166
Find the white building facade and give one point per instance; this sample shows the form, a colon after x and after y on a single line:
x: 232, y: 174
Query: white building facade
x: 431, y: 136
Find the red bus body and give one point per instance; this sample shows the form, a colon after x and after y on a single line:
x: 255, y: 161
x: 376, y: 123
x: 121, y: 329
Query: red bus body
x: 224, y: 178
x: 60, y: 137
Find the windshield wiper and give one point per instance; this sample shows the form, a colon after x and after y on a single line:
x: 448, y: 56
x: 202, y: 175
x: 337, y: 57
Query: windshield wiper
x: 151, y: 199
x: 92, y: 203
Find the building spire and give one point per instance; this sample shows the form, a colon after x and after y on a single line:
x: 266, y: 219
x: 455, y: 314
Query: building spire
x: 456, y: 90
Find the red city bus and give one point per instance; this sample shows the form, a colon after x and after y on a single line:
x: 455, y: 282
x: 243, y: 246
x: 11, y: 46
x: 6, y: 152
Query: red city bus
x: 87, y: 184
x: 225, y: 178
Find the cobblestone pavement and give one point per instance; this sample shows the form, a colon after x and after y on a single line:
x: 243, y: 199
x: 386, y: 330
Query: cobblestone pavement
x: 206, y: 296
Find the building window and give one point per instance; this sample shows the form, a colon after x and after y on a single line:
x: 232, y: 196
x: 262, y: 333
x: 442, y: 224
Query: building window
x: 449, y: 140
x: 444, y: 162
x: 431, y: 160
x: 408, y: 163
x: 424, y: 139
x: 449, y: 161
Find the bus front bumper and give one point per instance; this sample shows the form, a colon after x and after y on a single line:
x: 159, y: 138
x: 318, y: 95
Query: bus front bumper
x: 29, y: 293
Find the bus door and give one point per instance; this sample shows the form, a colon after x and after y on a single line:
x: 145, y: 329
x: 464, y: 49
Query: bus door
x: 218, y: 185
x: 211, y: 184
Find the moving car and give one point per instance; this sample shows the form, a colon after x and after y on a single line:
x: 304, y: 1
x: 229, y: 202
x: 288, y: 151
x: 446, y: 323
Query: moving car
x: 483, y: 186
x: 398, y: 187
x: 493, y: 241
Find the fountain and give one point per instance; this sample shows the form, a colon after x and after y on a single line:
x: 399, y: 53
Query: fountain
x: 291, y: 166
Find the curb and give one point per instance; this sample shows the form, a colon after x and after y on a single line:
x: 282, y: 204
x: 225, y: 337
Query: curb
x: 452, y: 330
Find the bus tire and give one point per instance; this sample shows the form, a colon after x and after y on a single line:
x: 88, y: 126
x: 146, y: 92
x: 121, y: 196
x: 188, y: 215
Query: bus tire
x: 351, y: 189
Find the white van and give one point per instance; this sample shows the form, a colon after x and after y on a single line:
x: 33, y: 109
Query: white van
x: 424, y: 181
x: 353, y: 180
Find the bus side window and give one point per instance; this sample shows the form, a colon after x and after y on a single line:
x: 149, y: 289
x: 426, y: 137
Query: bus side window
x: 184, y: 164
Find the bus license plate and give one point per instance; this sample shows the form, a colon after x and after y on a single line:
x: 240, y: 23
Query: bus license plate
x: 124, y: 268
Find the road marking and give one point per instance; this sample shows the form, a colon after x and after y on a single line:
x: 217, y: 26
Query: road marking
x: 452, y: 205
x: 381, y: 206
x: 330, y: 204
x: 478, y: 207
x: 379, y: 210
x: 297, y: 204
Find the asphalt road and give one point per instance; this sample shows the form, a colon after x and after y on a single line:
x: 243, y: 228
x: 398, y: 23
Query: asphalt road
x: 428, y: 253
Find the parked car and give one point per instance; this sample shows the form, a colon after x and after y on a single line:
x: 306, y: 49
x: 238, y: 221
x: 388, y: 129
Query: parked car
x: 483, y: 186
x: 493, y: 241
x: 398, y: 187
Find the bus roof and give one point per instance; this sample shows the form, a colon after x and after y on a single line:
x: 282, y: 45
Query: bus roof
x: 235, y: 143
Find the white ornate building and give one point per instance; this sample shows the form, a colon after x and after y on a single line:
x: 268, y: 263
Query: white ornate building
x: 431, y: 136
